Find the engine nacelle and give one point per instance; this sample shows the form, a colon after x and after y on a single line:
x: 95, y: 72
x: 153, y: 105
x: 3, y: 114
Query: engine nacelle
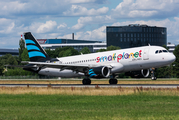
x: 99, y: 72
x: 145, y: 73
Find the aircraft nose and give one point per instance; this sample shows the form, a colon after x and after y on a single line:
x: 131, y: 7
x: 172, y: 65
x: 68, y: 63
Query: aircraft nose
x: 173, y: 57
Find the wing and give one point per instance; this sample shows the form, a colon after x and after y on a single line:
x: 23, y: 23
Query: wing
x: 75, y: 67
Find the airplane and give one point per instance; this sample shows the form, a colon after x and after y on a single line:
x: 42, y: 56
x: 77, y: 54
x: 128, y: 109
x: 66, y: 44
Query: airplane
x: 96, y: 65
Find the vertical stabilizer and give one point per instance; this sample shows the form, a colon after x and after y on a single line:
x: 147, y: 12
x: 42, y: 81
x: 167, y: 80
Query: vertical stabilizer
x: 35, y: 51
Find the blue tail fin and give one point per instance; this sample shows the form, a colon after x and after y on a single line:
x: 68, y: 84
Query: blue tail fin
x: 35, y: 51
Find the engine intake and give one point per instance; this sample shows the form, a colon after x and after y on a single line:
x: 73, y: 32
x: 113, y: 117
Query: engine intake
x: 99, y: 72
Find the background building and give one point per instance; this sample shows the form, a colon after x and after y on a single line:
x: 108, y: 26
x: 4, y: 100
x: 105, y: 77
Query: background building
x: 171, y: 47
x: 14, y: 52
x: 76, y: 44
x: 135, y: 35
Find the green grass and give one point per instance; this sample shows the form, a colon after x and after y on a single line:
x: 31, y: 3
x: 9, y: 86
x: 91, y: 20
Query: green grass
x: 58, y: 107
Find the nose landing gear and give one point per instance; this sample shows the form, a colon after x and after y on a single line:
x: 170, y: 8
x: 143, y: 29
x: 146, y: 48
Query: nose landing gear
x: 153, y: 74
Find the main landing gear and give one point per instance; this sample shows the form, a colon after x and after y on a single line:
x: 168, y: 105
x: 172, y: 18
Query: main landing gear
x: 153, y: 74
x: 112, y: 79
x: 86, y: 81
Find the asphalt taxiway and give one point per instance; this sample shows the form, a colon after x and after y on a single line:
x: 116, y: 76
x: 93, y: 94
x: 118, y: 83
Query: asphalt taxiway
x: 94, y: 85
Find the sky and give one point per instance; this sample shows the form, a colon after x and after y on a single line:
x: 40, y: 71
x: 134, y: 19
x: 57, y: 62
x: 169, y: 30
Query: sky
x: 87, y: 19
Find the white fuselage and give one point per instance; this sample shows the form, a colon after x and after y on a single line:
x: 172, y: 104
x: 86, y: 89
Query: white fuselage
x: 118, y: 61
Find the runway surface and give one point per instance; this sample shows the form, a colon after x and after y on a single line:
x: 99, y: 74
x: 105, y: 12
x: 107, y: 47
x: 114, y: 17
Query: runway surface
x: 94, y: 85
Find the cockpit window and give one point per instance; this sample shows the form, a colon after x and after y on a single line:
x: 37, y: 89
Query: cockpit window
x: 161, y: 51
x: 156, y: 52
x: 165, y: 51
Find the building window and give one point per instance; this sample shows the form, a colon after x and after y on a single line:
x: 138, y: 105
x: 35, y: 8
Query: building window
x: 121, y: 39
x: 131, y: 35
x: 154, y: 30
x: 146, y: 29
x: 149, y: 29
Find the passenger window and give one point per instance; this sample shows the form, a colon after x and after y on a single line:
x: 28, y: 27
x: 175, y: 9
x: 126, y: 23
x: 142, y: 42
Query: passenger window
x: 156, y: 52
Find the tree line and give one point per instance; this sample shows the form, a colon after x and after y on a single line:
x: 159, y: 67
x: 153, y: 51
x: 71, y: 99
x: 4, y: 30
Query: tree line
x: 163, y: 72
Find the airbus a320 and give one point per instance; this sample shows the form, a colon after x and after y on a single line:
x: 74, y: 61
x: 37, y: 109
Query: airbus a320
x: 95, y: 65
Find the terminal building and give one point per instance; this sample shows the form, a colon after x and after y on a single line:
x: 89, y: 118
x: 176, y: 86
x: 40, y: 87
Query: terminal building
x: 76, y: 44
x: 135, y: 35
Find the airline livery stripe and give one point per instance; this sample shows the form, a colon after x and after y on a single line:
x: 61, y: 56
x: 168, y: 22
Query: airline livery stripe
x: 35, y: 54
x: 29, y: 41
x: 91, y: 72
x: 92, y: 75
x: 32, y: 47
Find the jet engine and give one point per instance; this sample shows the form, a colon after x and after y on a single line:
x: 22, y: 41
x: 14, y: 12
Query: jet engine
x: 99, y: 72
x: 139, y: 74
x: 145, y: 73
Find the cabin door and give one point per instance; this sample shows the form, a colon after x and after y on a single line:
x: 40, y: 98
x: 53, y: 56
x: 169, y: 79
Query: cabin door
x: 146, y: 54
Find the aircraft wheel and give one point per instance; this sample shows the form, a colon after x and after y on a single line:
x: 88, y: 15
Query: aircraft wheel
x: 113, y: 81
x: 86, y: 81
x: 154, y: 78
